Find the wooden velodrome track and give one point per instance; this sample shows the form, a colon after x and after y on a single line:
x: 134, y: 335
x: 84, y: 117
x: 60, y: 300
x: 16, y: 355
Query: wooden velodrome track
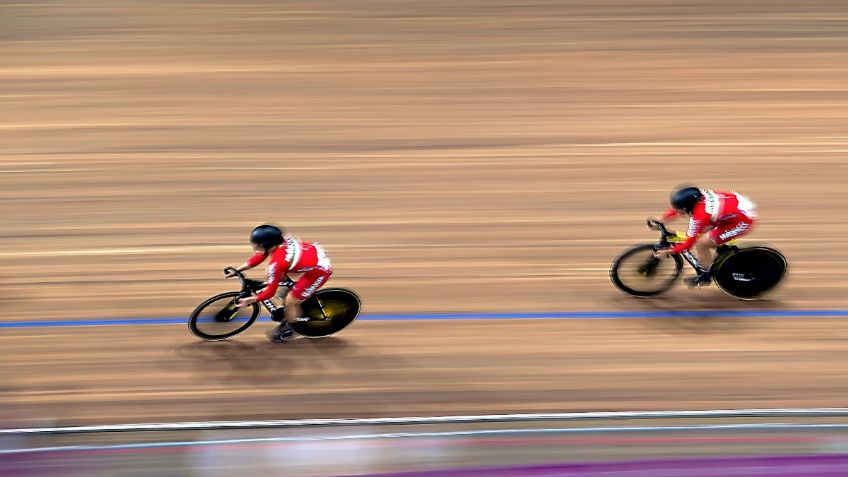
x: 474, y: 156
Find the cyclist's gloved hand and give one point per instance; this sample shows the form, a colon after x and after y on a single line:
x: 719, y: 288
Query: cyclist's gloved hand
x: 652, y: 223
x: 229, y: 273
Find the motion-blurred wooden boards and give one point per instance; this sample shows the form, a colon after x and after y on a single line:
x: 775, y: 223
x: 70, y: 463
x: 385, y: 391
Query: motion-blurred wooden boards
x: 482, y: 156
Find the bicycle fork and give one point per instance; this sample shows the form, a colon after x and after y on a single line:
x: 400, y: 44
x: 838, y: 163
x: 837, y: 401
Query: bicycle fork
x: 230, y: 311
x: 692, y: 260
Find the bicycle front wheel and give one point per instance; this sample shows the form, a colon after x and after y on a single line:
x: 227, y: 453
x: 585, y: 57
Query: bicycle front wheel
x: 218, y: 318
x: 638, y: 273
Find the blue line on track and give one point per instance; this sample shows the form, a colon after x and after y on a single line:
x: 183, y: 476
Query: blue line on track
x: 576, y: 315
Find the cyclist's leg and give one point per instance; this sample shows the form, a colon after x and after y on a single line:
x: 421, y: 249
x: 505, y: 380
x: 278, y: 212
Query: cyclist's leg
x: 308, y: 284
x: 303, y: 288
x: 704, y: 250
x: 721, y: 234
x: 732, y: 230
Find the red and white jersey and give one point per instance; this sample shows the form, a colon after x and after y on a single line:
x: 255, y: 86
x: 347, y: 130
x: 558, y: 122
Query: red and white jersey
x: 293, y: 256
x: 715, y: 209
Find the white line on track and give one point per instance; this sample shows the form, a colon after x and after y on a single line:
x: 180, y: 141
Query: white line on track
x: 201, y: 249
x: 127, y: 251
x: 401, y: 435
x: 63, y: 125
x: 702, y: 144
x: 567, y: 416
x: 42, y: 171
x: 280, y: 168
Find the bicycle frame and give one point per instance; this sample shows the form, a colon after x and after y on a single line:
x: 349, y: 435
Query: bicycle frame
x: 668, y: 238
x: 249, y: 287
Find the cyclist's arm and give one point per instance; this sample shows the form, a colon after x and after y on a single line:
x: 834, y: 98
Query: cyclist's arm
x: 253, y: 261
x: 273, y: 282
x: 670, y: 214
x: 697, y: 225
x: 244, y: 266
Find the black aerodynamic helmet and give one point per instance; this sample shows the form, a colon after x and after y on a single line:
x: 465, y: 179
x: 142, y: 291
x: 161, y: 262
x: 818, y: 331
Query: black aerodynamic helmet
x: 266, y: 236
x: 685, y: 198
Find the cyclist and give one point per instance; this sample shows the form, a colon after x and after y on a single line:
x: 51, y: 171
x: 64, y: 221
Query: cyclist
x: 726, y: 215
x: 288, y: 255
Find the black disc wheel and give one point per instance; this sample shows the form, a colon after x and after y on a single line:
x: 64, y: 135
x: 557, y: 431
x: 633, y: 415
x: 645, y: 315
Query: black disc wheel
x: 749, y: 273
x: 218, y: 318
x: 329, y: 311
x: 638, y: 273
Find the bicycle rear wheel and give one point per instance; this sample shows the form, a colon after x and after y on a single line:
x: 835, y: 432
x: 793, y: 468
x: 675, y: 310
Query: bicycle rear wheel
x: 218, y: 319
x: 638, y: 273
x: 749, y: 273
x: 329, y: 311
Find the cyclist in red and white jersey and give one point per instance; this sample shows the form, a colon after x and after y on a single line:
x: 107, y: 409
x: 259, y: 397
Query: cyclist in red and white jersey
x: 726, y: 215
x: 287, y: 255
